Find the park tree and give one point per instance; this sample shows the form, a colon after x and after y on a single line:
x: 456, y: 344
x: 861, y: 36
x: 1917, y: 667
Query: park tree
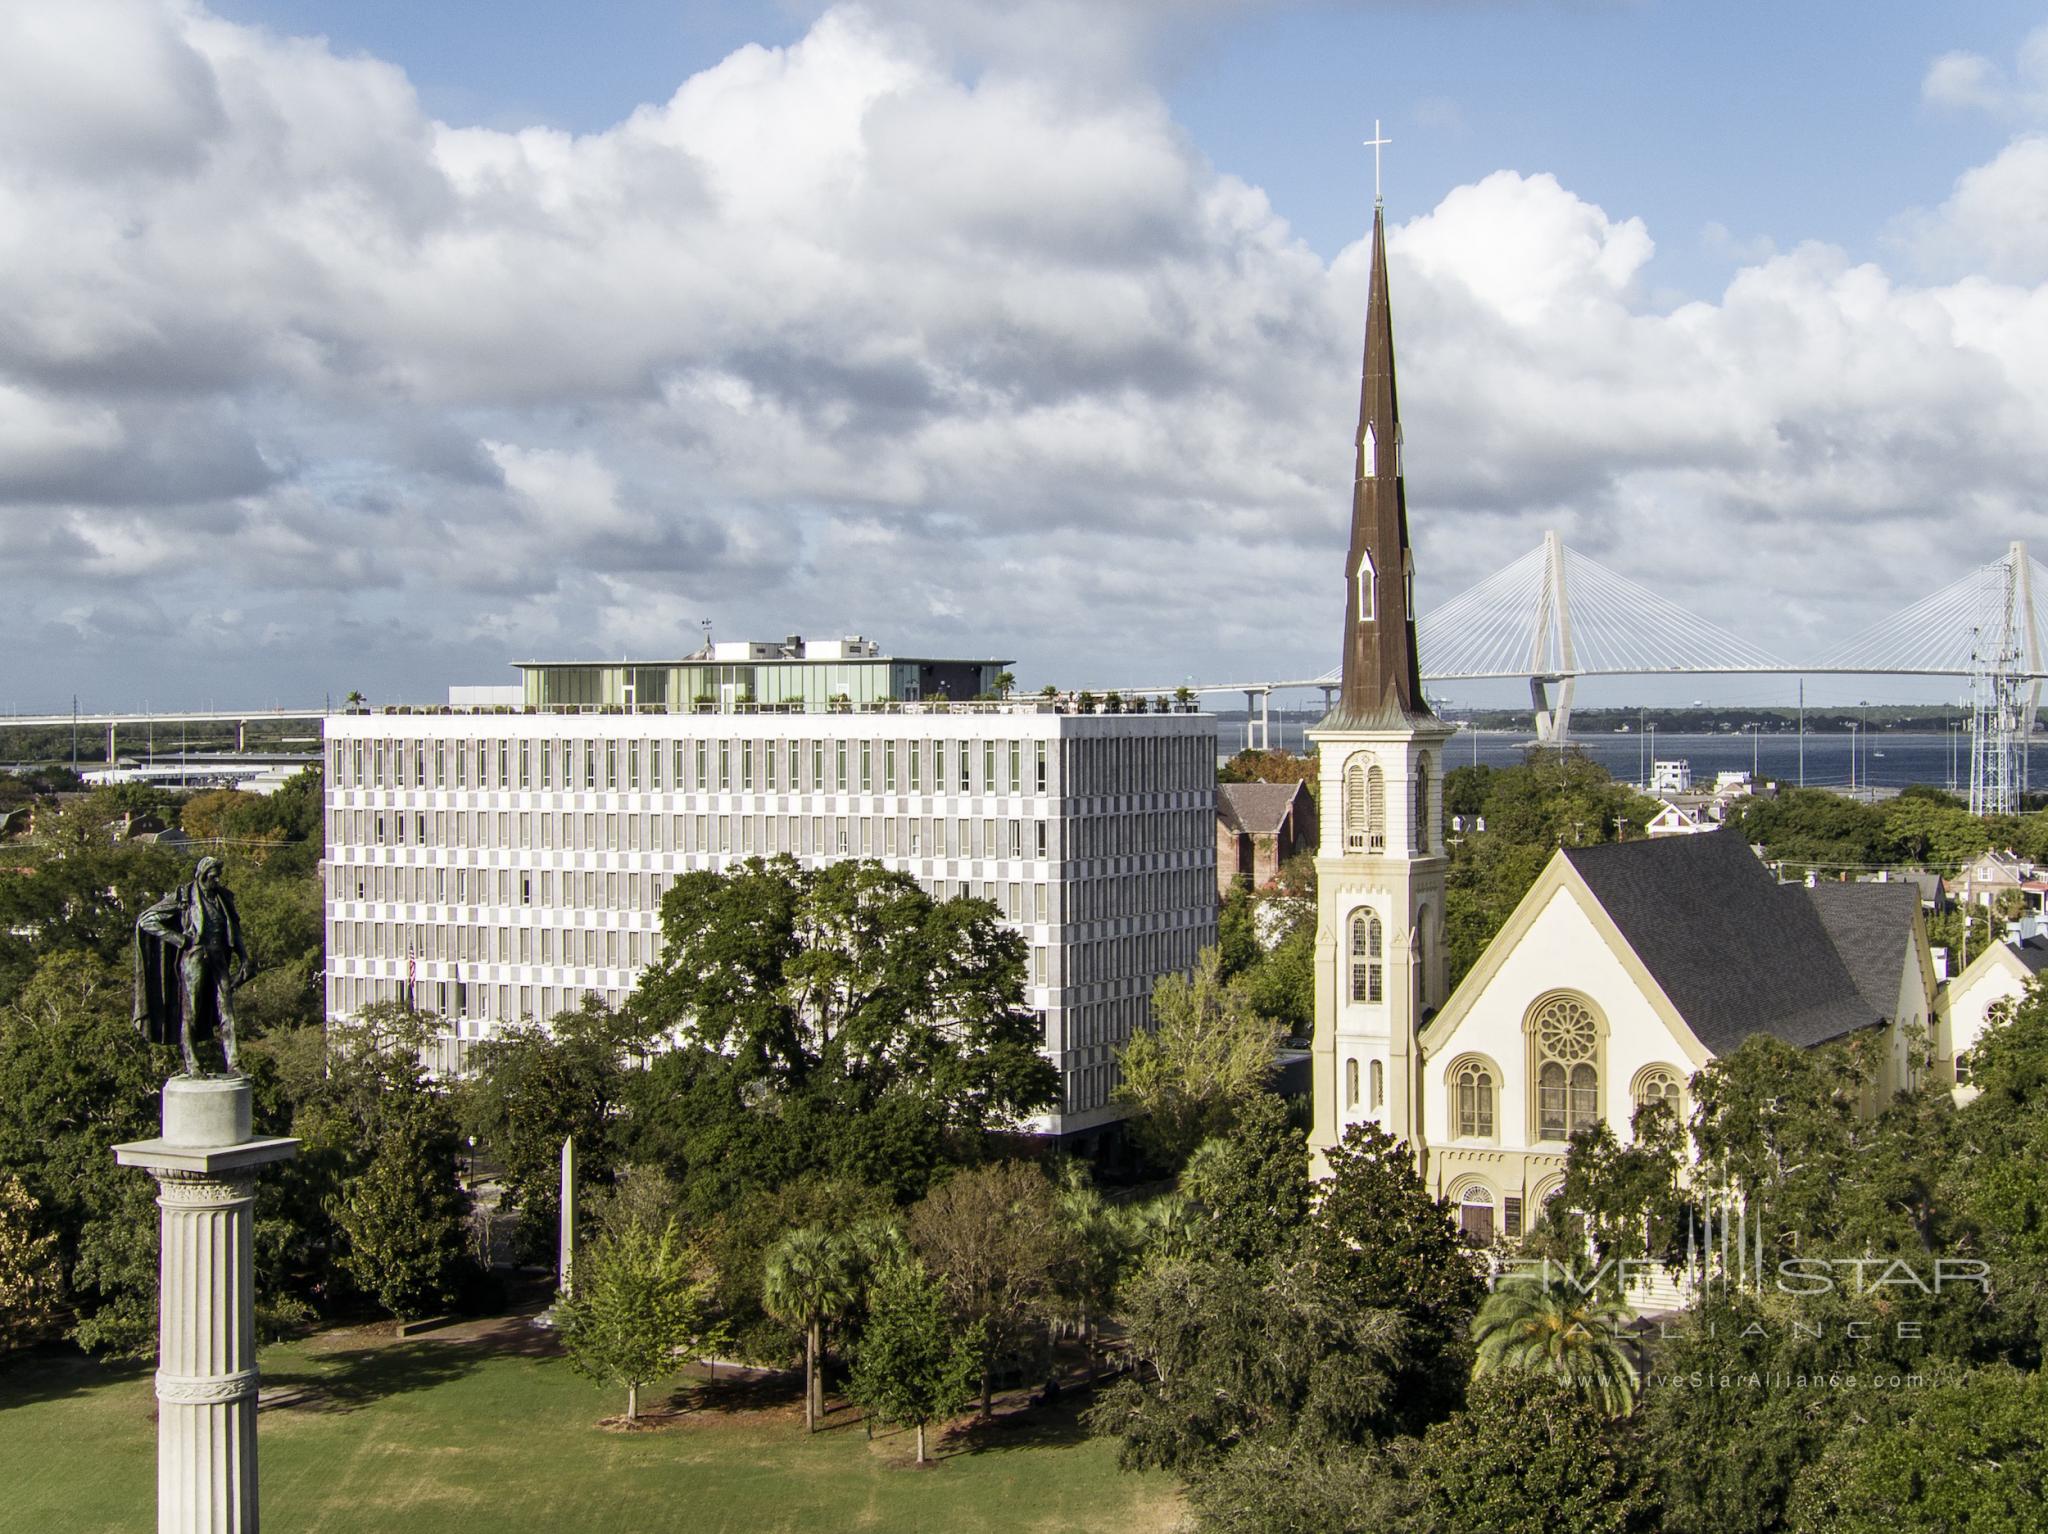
x: 1235, y: 1353
x: 403, y: 1213
x: 1488, y: 876
x: 531, y: 1088
x: 1810, y: 828
x: 1250, y: 1189
x: 641, y: 1303
x: 1527, y: 1456
x: 1378, y: 1240
x: 76, y: 1080
x: 76, y: 890
x: 1299, y: 1487
x: 916, y: 1363
x: 1379, y: 1233
x: 846, y: 999
x: 1970, y: 1453
x: 1206, y: 1054
x: 1777, y: 1130
x: 809, y: 1282
x: 739, y: 1239
x: 1251, y: 766
x: 994, y: 1239
x: 1727, y: 1460
x: 399, y: 1208
x: 31, y: 1276
x: 1628, y: 1200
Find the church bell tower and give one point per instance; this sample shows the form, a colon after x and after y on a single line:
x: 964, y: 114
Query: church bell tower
x: 1380, y: 868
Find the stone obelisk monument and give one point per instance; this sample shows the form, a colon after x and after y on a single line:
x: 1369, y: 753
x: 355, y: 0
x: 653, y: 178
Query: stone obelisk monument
x: 205, y: 1166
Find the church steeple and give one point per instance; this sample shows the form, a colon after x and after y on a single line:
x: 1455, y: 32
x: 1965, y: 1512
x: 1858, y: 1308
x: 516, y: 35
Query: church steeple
x: 1382, y: 681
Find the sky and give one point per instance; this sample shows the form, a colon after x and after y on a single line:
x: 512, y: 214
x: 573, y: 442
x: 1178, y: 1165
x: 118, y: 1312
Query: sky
x: 373, y: 346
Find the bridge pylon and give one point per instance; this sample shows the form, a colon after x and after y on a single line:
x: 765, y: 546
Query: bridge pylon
x: 1550, y: 648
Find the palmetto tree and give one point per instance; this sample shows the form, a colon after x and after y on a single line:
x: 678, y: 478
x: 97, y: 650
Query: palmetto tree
x: 810, y: 1280
x: 1556, y: 1322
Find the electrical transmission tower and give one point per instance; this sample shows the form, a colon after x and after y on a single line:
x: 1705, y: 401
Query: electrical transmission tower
x: 2004, y: 692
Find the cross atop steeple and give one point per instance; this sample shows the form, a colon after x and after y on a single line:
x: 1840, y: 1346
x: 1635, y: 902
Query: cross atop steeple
x: 1375, y: 143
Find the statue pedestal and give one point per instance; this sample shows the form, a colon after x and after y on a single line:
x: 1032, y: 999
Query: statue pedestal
x: 205, y: 1166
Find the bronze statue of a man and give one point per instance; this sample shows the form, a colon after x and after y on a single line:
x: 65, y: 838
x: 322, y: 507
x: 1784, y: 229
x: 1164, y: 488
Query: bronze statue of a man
x: 189, y: 957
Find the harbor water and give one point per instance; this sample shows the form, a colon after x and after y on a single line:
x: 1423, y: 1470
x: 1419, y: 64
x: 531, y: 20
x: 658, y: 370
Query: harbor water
x: 1882, y: 759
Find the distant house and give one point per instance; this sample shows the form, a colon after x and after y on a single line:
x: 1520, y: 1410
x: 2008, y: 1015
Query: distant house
x: 17, y: 823
x: 134, y: 826
x: 1933, y: 889
x: 1259, y: 826
x: 1992, y: 874
x: 1671, y: 777
x: 1677, y: 820
x: 2000, y: 974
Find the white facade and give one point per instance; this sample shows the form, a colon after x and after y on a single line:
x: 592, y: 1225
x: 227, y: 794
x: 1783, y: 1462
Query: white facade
x: 506, y: 865
x: 1379, y: 923
x: 1674, y: 777
x: 1996, y: 978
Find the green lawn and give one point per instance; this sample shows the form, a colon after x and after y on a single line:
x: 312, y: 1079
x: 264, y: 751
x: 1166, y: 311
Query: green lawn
x: 437, y: 1435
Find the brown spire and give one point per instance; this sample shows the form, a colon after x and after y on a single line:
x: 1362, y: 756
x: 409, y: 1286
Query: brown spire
x: 1382, y: 681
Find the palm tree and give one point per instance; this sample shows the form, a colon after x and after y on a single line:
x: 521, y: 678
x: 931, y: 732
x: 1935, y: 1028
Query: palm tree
x: 1558, y: 1323
x: 807, y: 1282
x: 1102, y: 1240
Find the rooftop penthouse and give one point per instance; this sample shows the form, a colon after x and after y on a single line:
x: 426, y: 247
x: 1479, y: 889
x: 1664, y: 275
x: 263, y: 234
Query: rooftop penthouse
x: 791, y: 674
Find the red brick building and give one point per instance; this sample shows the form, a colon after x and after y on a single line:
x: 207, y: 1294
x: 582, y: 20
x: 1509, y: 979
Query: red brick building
x: 1259, y: 826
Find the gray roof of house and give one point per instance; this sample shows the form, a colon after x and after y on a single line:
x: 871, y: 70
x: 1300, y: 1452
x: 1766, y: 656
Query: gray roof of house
x: 2032, y: 952
x: 1739, y: 953
x: 1257, y: 808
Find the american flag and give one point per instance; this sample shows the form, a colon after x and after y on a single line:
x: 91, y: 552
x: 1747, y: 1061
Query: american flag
x: 412, y: 978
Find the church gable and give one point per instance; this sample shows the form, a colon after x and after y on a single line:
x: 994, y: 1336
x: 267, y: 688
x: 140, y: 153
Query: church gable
x: 1559, y: 1024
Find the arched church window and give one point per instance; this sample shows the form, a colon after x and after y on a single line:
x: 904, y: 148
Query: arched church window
x: 1379, y: 1085
x: 1659, y: 1084
x: 1367, y: 953
x: 1365, y: 816
x: 1475, y: 1214
x: 1351, y: 1083
x: 1567, y: 1044
x: 1375, y: 809
x: 1369, y: 451
x: 1472, y: 1088
x: 1423, y: 840
x: 1366, y: 577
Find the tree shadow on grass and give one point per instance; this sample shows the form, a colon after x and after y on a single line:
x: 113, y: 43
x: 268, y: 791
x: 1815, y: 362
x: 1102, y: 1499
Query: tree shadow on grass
x: 1055, y: 1425
x: 740, y: 1394
x: 58, y: 1370
x: 350, y: 1379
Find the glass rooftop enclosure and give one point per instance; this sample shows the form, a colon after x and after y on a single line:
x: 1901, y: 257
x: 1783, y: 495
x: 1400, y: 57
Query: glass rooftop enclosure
x: 752, y: 675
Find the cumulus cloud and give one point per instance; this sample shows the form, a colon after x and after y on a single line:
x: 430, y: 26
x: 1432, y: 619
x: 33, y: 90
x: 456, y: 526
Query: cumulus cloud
x: 847, y: 335
x: 1972, y: 82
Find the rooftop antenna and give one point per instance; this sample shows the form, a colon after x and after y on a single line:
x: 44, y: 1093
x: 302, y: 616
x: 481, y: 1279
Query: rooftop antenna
x: 1375, y: 144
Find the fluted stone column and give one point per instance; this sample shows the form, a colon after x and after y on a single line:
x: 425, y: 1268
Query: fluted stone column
x: 205, y: 1166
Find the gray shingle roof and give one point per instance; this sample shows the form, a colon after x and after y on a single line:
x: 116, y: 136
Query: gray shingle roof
x: 1739, y: 953
x: 1257, y: 808
x: 1871, y: 926
x: 2032, y: 952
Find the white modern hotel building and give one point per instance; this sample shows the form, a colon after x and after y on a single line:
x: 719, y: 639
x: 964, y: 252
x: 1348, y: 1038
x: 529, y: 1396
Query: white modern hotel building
x: 501, y: 864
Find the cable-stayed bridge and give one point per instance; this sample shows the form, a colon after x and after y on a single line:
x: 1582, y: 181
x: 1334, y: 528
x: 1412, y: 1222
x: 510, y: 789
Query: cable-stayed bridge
x: 1556, y: 615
